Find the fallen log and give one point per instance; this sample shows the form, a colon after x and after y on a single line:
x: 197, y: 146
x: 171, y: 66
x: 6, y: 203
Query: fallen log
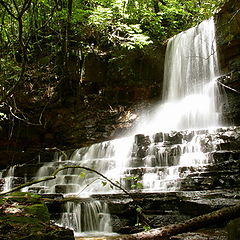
x: 206, y: 220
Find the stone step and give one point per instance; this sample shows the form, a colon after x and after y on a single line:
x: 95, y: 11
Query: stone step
x: 38, y: 189
x: 182, y: 170
x: 223, y: 156
x: 67, y: 188
x: 219, y: 181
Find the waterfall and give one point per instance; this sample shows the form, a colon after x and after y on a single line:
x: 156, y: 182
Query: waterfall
x: 189, y: 86
x: 8, y: 180
x: 165, y: 148
x: 86, y: 218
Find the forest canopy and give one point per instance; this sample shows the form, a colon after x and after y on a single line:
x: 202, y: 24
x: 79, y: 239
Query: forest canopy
x: 47, y: 35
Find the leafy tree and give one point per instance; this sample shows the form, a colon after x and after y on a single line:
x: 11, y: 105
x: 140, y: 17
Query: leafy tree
x: 54, y: 36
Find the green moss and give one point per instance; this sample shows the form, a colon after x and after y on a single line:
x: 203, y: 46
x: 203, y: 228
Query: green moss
x: 20, y: 219
x: 30, y: 221
x: 22, y: 197
x: 40, y: 211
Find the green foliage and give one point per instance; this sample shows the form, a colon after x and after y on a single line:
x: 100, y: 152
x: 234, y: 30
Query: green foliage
x: 104, y: 183
x: 146, y: 228
x: 125, y: 23
x: 82, y: 174
x: 47, y: 32
x: 135, y: 182
x: 139, y: 209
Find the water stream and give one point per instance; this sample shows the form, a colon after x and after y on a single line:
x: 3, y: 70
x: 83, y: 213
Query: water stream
x: 8, y: 180
x: 86, y: 218
x: 166, y: 141
x: 189, y: 87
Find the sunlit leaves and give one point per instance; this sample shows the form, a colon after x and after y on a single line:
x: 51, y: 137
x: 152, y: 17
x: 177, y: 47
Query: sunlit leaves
x: 135, y: 183
x: 100, y: 24
x: 82, y: 174
x: 104, y: 183
x: 101, y: 17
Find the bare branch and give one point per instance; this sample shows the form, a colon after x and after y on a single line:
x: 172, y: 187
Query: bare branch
x: 26, y: 6
x: 27, y: 185
x: 234, y: 90
x: 234, y: 15
x: 142, y: 217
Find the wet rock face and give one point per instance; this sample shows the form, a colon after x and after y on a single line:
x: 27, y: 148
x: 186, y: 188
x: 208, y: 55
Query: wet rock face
x: 211, y: 163
x: 228, y: 40
x: 228, y: 43
x: 222, y: 149
x: 161, y: 209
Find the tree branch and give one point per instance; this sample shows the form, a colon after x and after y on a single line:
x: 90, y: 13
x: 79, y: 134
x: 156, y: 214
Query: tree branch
x: 6, y: 6
x: 26, y: 6
x: 142, y: 217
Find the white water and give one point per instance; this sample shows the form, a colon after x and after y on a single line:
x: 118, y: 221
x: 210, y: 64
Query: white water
x: 87, y: 218
x: 190, y: 71
x: 8, y: 180
x: 188, y: 103
x: 191, y: 67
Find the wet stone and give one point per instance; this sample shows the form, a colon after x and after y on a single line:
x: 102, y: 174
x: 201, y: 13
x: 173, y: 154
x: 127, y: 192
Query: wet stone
x: 141, y: 152
x: 66, y: 188
x: 175, y: 138
x: 222, y: 156
x: 139, y: 139
x: 142, y: 140
x: 158, y: 137
x: 187, y: 136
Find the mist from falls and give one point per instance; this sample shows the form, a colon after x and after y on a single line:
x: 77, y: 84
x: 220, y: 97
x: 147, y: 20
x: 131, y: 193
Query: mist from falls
x: 189, y: 86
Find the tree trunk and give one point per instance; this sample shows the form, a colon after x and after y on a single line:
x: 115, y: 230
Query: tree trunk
x: 205, y: 220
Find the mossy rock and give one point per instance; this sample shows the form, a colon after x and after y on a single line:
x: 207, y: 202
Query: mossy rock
x: 22, y: 197
x: 19, y: 219
x: 24, y: 216
x: 40, y: 211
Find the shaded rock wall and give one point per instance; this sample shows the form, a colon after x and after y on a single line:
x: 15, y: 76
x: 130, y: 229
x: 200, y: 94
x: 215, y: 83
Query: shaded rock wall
x: 125, y: 76
x: 228, y: 42
x: 104, y: 106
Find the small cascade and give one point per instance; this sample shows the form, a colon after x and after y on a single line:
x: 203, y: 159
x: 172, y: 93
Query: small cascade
x: 88, y: 217
x: 139, y: 163
x: 109, y: 158
x: 8, y: 180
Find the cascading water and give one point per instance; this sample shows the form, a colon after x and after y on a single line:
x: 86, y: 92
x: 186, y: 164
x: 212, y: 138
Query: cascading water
x: 158, y: 156
x: 190, y: 71
x: 8, y: 180
x: 89, y: 217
